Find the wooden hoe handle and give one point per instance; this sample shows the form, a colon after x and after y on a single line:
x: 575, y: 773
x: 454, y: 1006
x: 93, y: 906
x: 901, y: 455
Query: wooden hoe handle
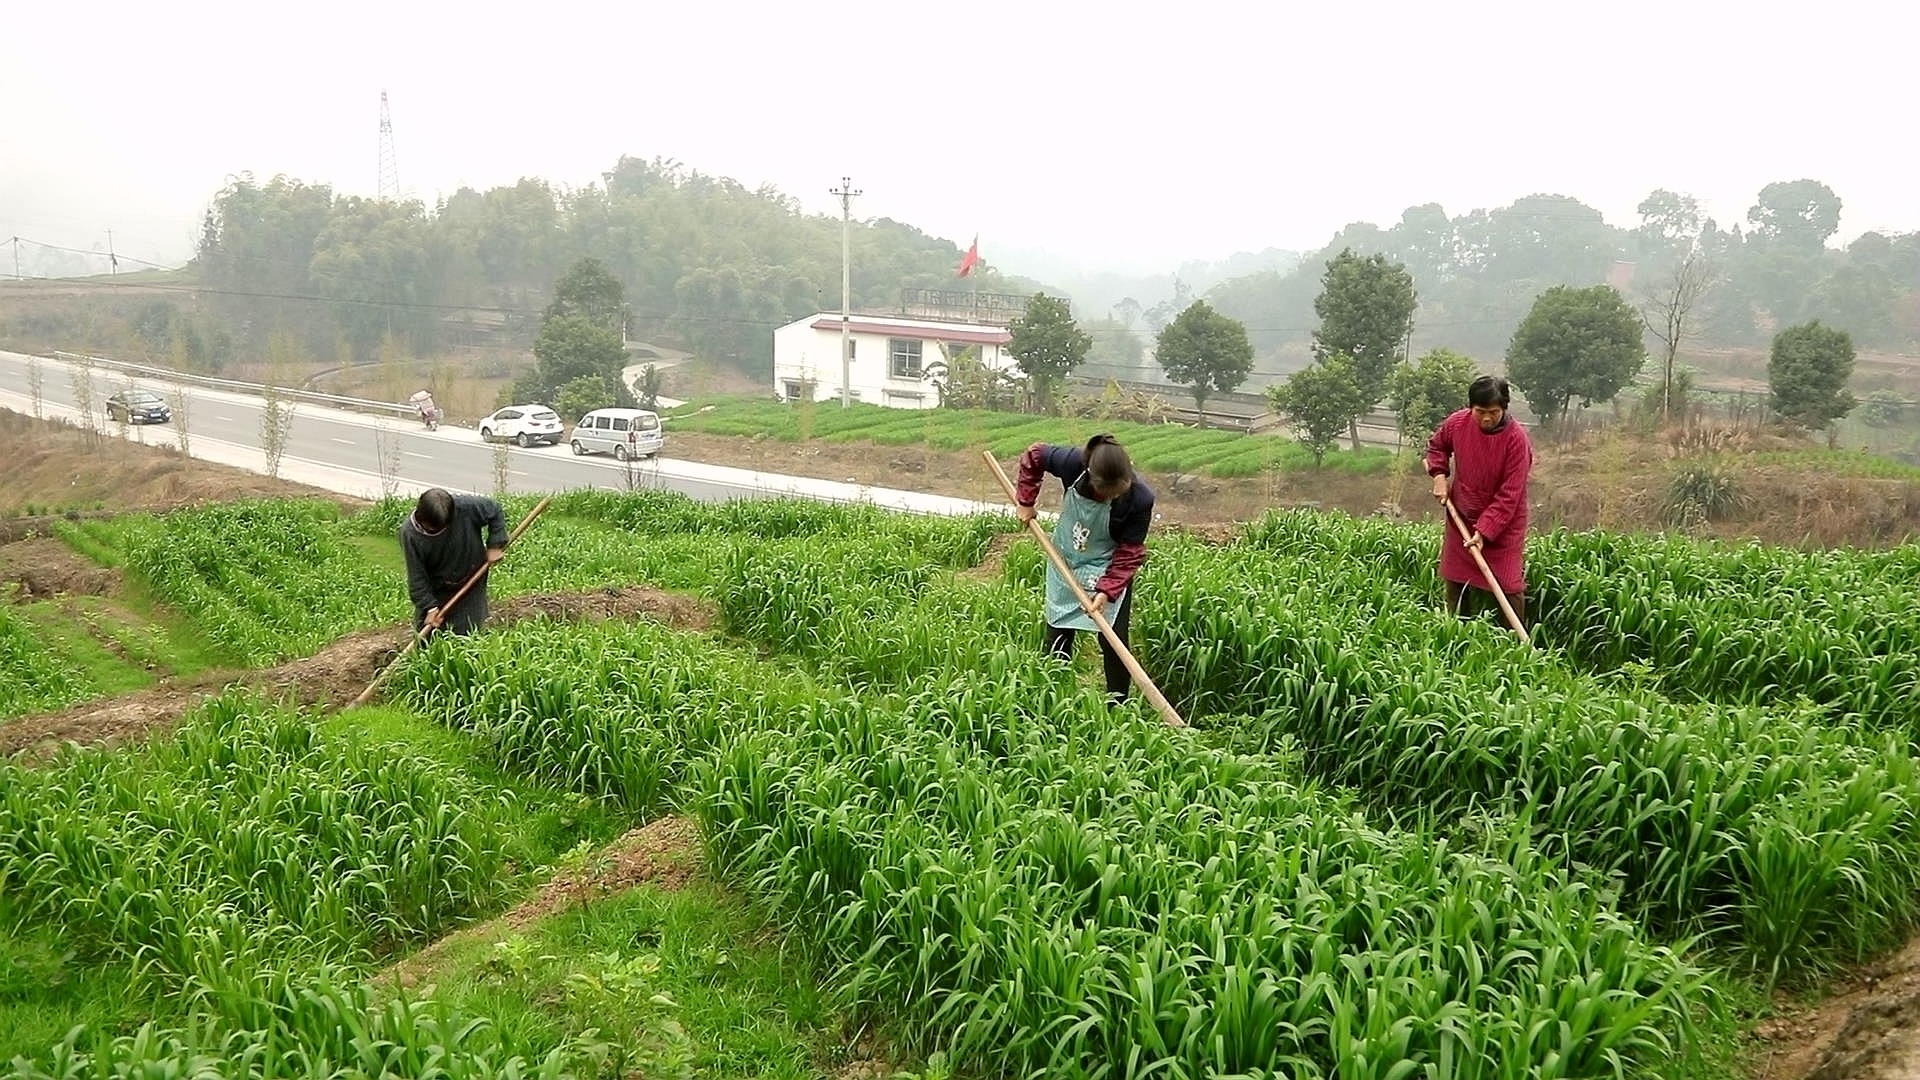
x: 1486, y: 571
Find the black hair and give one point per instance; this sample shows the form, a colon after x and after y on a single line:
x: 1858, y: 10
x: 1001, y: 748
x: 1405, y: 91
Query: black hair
x: 1108, y: 465
x: 1488, y: 390
x: 434, y: 509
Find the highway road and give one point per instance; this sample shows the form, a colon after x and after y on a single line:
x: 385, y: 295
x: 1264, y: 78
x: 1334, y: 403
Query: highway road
x: 368, y: 456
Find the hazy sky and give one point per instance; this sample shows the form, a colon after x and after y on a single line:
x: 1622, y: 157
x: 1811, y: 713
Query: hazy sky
x: 1113, y: 134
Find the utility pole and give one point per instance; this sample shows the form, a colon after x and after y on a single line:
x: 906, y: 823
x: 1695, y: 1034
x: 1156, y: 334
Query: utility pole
x: 846, y: 193
x: 16, y: 258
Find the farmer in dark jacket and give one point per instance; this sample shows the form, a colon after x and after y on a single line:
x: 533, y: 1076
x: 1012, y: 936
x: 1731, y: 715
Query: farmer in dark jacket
x: 443, y: 545
x: 1101, y: 536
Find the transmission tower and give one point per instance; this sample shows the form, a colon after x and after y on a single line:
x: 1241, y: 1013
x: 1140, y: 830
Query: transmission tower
x: 389, y: 172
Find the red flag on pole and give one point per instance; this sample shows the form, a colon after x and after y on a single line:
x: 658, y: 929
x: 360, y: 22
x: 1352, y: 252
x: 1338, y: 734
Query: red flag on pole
x: 971, y: 258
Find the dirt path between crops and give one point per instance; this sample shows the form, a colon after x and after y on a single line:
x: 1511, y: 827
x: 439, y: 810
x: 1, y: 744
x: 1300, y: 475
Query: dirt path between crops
x: 664, y: 852
x: 1867, y: 1028
x: 330, y: 678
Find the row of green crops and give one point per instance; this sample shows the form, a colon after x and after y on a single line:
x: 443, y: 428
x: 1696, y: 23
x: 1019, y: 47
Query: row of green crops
x: 1155, y: 447
x: 322, y: 1025
x: 670, y: 517
x: 1790, y: 837
x: 244, y: 842
x: 1743, y: 623
x: 1269, y: 630
x: 1014, y: 876
x: 615, y: 711
x: 32, y: 677
x: 1796, y: 837
x: 263, y: 580
x: 1784, y: 834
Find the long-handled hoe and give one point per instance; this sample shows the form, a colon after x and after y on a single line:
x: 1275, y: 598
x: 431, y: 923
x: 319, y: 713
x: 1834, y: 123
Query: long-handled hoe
x: 1486, y: 571
x: 421, y: 636
x: 1147, y: 688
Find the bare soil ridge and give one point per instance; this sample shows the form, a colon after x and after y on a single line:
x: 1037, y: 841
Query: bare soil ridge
x: 331, y: 678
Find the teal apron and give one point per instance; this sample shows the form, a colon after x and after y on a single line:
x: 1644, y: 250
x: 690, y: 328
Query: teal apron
x: 1084, y: 538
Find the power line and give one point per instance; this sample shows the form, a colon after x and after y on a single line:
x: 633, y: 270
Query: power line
x: 18, y: 240
x: 711, y: 320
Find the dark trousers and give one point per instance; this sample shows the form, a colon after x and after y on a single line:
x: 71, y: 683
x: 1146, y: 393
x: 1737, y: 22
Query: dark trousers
x: 1472, y: 601
x: 1059, y: 642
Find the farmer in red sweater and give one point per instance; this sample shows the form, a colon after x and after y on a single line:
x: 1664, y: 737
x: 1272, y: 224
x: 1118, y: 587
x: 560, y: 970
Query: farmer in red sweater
x: 1105, y: 513
x: 1491, y: 459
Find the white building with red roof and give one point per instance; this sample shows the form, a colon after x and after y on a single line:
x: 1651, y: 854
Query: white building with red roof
x: 891, y: 356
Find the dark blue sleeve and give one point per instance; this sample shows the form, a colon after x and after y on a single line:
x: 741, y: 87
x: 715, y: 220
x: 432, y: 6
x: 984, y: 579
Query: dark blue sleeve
x: 1041, y: 459
x: 1131, y: 521
x: 1065, y: 462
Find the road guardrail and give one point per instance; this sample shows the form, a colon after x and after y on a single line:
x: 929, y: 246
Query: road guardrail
x: 288, y: 393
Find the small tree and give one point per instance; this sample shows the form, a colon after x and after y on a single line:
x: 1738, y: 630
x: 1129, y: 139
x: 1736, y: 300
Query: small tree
x: 580, y: 396
x: 124, y: 421
x: 36, y: 387
x: 1807, y: 374
x: 180, y: 402
x: 1882, y: 408
x: 1580, y: 344
x: 386, y: 456
x: 1048, y: 345
x: 963, y: 381
x: 649, y: 395
x: 570, y: 347
x: 276, y: 412
x: 1668, y: 314
x: 1366, y: 308
x: 589, y: 290
x: 1321, y: 401
x: 1204, y: 351
x: 276, y: 426
x: 1425, y: 394
x: 81, y: 377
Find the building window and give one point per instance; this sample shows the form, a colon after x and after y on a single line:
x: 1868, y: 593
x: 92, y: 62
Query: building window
x: 900, y: 399
x: 796, y: 389
x: 903, y: 358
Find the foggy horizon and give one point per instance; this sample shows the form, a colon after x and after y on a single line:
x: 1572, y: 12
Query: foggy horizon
x: 1053, y: 152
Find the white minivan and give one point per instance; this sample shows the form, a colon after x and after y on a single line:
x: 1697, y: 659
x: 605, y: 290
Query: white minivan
x: 624, y: 433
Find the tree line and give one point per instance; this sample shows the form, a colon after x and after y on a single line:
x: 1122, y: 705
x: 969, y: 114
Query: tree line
x: 1477, y: 273
x: 1575, y: 347
x: 705, y: 261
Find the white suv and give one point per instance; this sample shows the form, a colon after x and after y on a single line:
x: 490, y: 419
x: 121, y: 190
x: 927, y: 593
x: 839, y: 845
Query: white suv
x: 524, y: 424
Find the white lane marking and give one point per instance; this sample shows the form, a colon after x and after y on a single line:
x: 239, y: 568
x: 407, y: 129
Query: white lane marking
x: 228, y: 419
x: 410, y: 453
x: 348, y: 442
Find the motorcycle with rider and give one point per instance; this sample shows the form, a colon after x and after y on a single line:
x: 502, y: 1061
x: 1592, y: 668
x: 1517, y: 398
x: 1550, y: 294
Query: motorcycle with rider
x: 429, y: 412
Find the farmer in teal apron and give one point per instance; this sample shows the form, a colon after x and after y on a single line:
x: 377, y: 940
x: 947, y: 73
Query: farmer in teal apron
x: 1101, y: 536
